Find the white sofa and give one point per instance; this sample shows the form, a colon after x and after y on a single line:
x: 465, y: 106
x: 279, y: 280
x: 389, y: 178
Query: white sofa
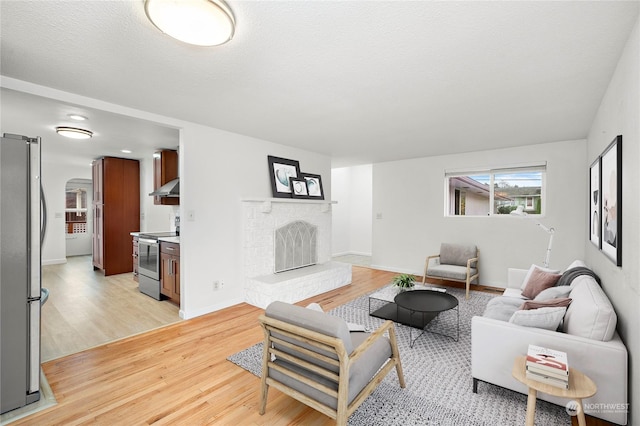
x: 588, y: 336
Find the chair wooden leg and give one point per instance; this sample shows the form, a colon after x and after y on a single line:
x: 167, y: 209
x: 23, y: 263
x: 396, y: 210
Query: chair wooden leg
x: 468, y: 285
x: 424, y: 276
x: 396, y: 356
x: 264, y: 388
x: 263, y: 398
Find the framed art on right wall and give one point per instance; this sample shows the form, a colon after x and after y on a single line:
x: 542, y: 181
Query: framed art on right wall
x: 611, y: 201
x: 595, y: 192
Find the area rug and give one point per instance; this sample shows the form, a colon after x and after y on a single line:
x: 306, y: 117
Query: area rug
x: 437, y: 371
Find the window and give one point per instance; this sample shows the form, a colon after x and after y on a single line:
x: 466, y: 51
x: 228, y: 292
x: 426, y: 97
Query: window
x: 75, y: 211
x: 495, y: 191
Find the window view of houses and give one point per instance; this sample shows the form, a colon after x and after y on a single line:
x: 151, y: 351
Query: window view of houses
x: 497, y: 192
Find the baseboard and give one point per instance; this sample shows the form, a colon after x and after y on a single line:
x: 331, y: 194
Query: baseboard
x: 351, y: 253
x: 54, y: 261
x: 394, y: 269
x: 209, y: 309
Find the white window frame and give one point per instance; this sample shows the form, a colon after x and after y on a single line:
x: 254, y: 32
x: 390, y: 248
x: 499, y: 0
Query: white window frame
x: 492, y: 171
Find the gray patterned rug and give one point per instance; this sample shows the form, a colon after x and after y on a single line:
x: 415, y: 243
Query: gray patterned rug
x: 437, y: 371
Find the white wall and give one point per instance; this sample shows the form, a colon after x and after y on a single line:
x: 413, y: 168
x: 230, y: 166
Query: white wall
x: 340, y: 212
x: 409, y: 196
x: 352, y: 216
x: 619, y: 114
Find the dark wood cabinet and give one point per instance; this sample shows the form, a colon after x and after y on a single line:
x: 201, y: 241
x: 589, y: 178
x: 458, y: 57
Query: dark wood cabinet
x: 165, y: 169
x: 170, y: 271
x: 135, y: 258
x: 116, y: 209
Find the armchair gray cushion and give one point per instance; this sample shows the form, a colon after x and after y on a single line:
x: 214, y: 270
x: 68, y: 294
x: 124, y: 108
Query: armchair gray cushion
x: 456, y: 254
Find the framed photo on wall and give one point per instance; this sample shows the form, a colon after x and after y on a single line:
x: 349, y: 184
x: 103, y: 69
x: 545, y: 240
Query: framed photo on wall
x: 314, y: 185
x: 611, y: 201
x: 280, y: 170
x: 595, y: 193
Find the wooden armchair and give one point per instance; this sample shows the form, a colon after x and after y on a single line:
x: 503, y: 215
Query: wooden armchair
x: 455, y: 262
x: 312, y: 357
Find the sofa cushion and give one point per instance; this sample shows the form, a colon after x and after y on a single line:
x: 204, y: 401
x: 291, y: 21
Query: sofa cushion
x: 546, y: 318
x: 551, y: 303
x: 553, y: 293
x: 452, y: 272
x: 539, y: 280
x: 533, y: 268
x: 456, y: 254
x: 590, y: 314
x: 502, y: 308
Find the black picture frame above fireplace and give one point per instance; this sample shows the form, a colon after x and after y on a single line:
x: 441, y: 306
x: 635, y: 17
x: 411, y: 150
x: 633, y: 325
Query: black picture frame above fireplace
x: 299, y: 188
x: 280, y: 170
x: 314, y: 186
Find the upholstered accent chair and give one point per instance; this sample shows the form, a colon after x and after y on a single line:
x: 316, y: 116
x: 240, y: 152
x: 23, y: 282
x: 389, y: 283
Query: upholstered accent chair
x: 312, y: 357
x: 455, y: 262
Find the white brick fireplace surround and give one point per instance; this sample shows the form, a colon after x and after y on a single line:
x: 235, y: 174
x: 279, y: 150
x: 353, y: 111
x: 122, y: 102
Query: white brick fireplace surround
x: 261, y: 218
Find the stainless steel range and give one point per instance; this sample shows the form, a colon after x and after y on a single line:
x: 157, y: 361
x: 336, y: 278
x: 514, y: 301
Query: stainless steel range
x: 149, y: 262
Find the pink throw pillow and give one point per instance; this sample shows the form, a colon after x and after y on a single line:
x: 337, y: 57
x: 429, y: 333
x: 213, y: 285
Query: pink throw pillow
x: 551, y: 303
x: 538, y: 281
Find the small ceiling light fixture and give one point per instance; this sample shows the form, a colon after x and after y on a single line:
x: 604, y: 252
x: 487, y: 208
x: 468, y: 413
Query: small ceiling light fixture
x: 125, y: 151
x: 74, y: 132
x: 77, y: 117
x: 198, y: 22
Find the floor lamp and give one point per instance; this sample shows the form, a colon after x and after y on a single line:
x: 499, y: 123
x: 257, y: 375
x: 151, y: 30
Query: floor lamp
x: 519, y: 211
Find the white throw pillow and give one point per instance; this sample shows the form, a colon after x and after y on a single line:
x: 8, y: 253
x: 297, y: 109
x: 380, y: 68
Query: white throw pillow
x: 531, y: 269
x: 553, y: 293
x: 546, y: 318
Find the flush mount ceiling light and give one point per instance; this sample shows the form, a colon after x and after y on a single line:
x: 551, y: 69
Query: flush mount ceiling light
x: 198, y: 22
x: 74, y: 132
x: 77, y: 117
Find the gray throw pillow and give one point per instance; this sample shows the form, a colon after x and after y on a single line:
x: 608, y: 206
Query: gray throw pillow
x: 553, y: 293
x: 546, y: 318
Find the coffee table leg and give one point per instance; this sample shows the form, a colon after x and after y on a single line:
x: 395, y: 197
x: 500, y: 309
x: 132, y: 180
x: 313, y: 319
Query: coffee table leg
x: 531, y: 407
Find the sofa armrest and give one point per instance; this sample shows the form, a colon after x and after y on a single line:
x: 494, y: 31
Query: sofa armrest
x: 495, y: 345
x: 515, y: 277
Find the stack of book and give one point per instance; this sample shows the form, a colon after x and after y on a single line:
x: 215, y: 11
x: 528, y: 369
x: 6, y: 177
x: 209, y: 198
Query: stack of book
x: 548, y: 366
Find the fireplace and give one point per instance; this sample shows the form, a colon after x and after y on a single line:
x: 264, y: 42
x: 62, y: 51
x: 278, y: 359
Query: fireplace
x: 295, y: 246
x: 292, y: 237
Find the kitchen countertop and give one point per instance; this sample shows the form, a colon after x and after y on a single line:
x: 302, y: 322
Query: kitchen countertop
x: 175, y: 239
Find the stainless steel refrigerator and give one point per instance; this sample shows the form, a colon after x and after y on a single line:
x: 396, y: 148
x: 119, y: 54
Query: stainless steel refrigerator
x: 20, y: 280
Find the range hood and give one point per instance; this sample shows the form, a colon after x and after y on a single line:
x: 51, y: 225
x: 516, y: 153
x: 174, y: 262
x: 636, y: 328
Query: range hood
x: 169, y: 189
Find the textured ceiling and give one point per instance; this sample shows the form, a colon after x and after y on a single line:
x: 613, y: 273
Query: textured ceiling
x: 360, y: 81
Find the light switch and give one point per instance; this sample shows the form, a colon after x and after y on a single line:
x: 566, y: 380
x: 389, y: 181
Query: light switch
x: 378, y: 215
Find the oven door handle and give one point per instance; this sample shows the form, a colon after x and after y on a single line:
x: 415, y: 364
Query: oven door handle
x: 147, y: 241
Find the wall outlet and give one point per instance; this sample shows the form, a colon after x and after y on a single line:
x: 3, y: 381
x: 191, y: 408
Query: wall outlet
x: 216, y: 285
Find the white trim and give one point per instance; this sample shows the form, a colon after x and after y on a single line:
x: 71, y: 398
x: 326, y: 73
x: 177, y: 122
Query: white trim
x: 54, y: 261
x: 184, y: 314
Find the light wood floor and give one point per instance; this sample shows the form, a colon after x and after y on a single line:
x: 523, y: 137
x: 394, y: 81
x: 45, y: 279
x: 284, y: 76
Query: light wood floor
x: 86, y: 309
x: 179, y: 374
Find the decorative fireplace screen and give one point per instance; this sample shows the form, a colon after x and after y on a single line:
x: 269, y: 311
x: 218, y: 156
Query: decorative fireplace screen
x: 295, y: 246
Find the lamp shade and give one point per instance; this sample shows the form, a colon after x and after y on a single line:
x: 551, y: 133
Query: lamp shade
x: 197, y: 22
